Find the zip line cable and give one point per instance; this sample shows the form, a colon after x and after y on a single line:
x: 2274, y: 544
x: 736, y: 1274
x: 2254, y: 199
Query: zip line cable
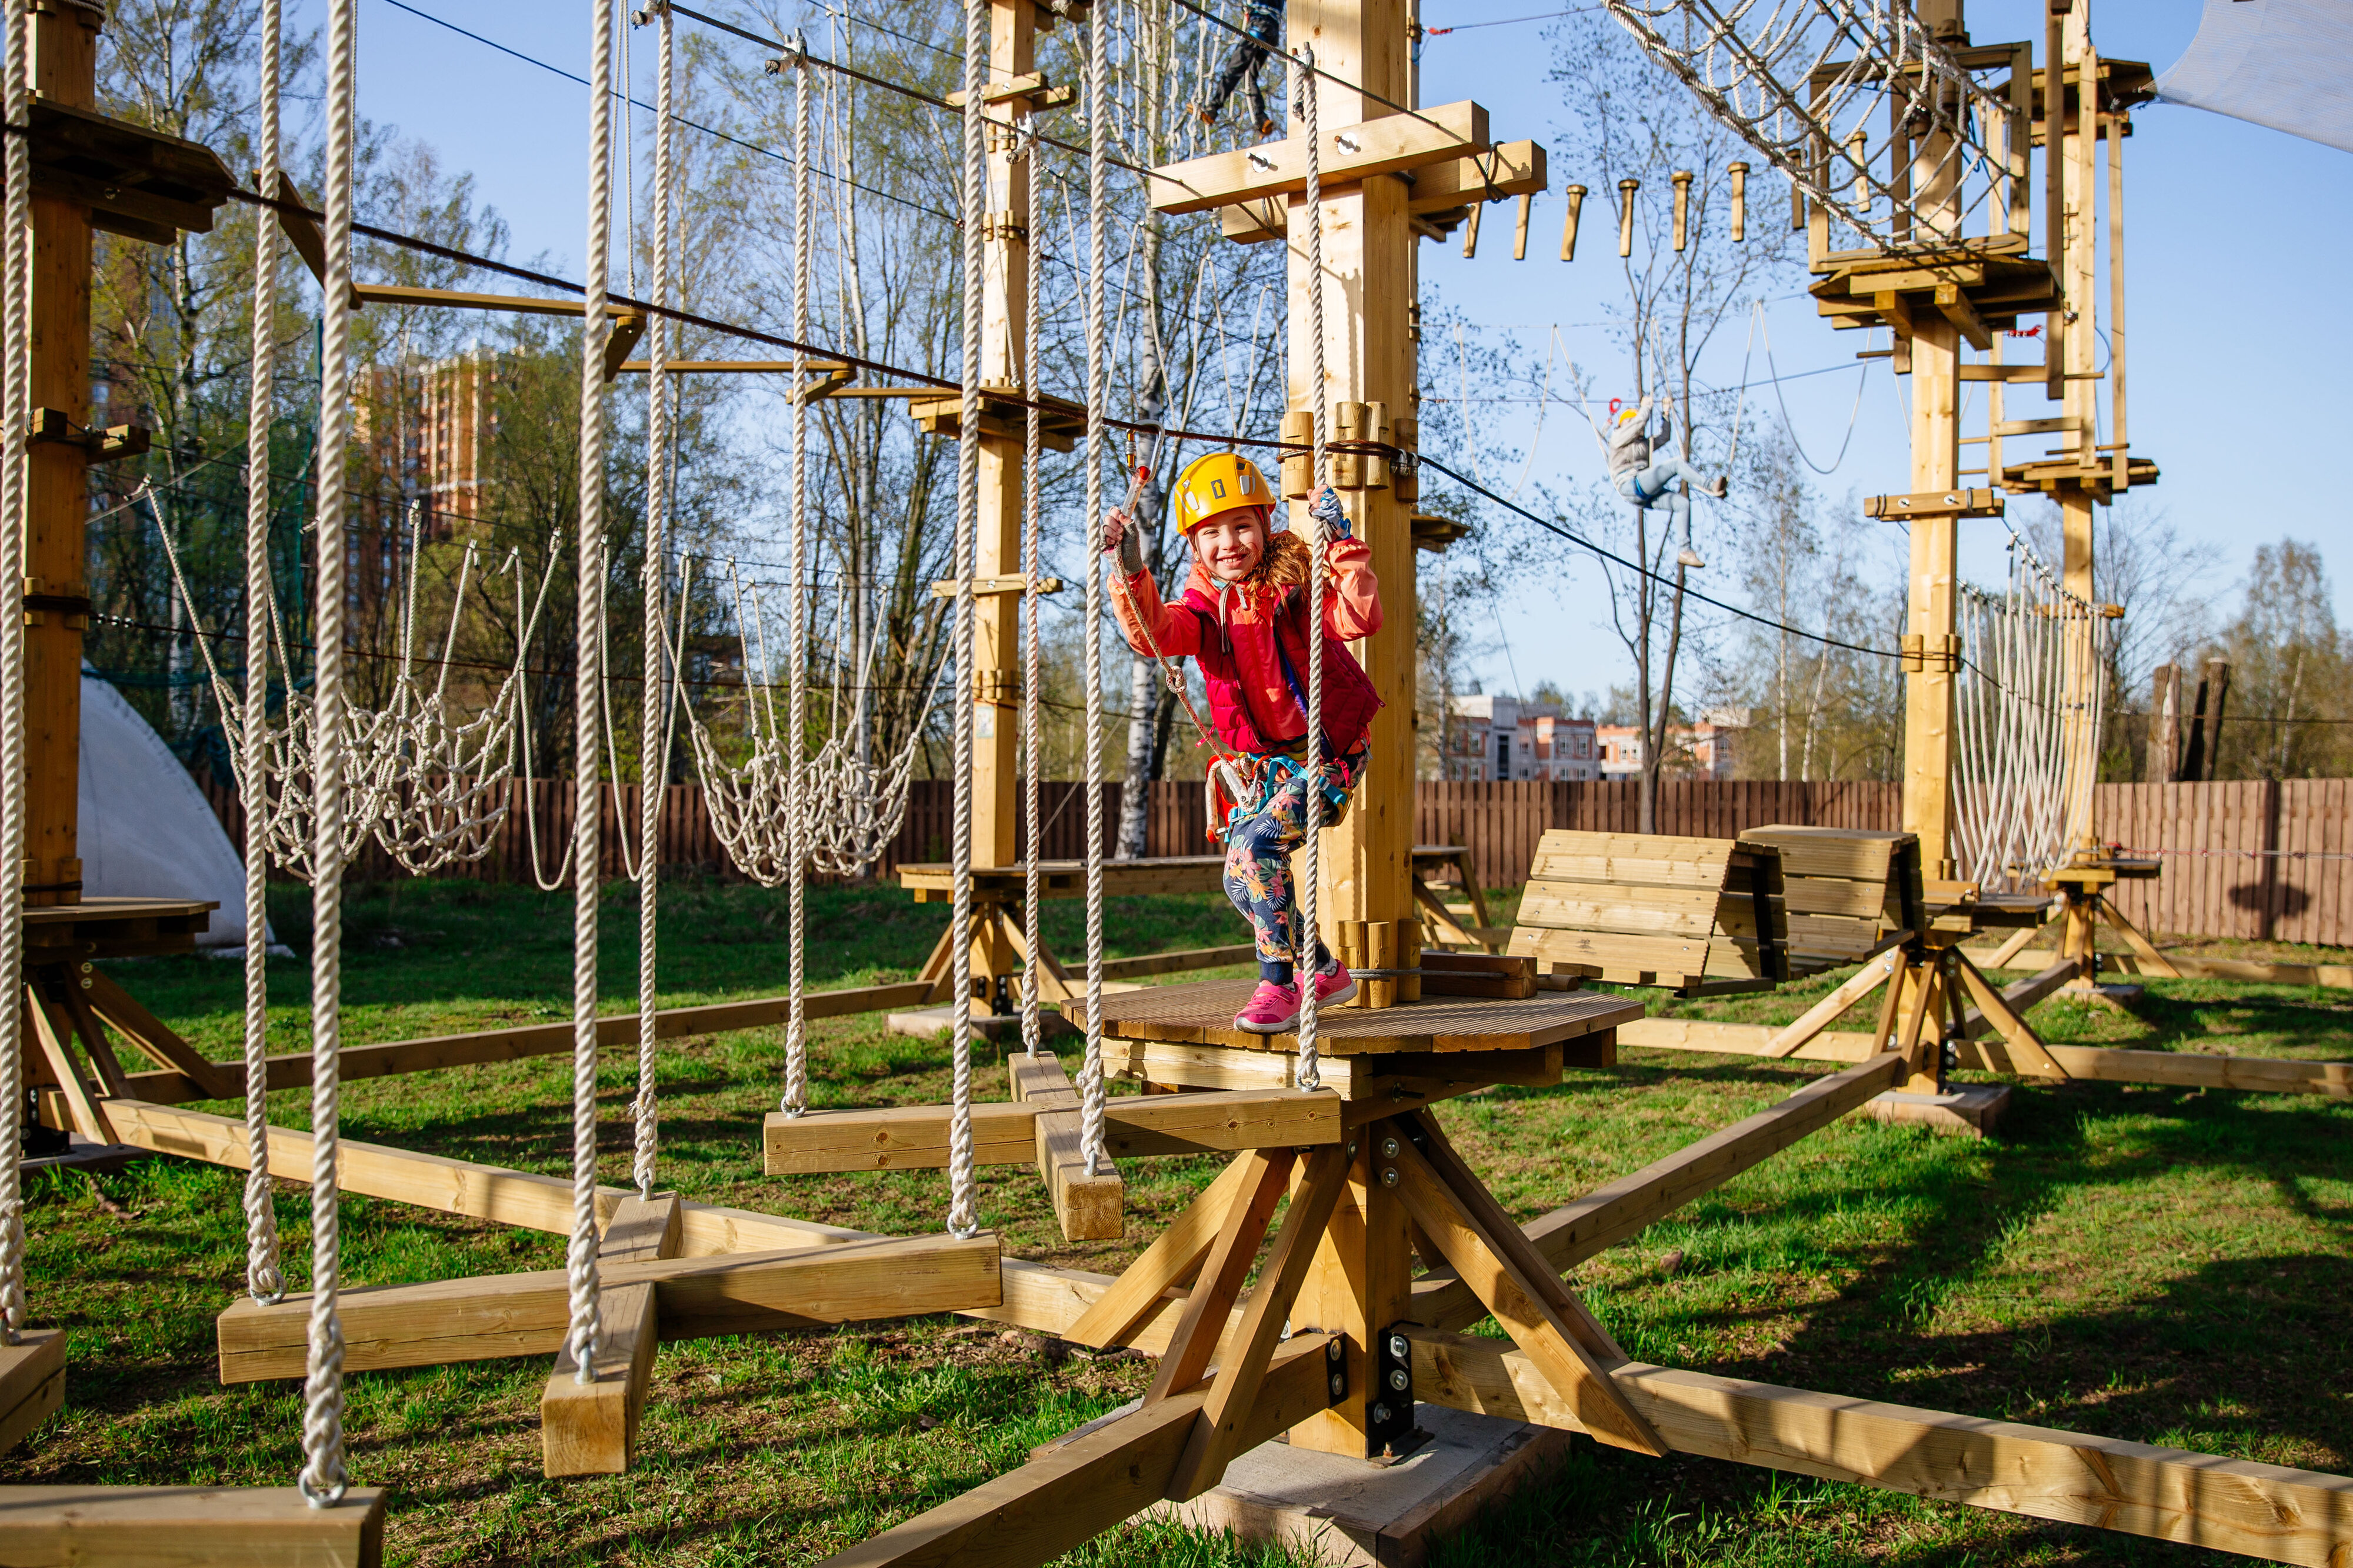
x: 1579, y: 540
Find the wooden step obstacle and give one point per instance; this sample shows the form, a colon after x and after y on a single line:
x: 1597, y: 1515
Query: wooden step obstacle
x: 1697, y: 916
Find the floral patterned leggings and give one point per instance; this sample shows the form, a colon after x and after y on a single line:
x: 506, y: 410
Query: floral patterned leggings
x: 1258, y: 858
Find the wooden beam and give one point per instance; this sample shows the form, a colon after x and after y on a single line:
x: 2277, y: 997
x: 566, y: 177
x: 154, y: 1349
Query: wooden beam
x: 191, y: 1525
x: 1954, y: 305
x: 1436, y: 134
x: 87, y: 1113
x: 1242, y: 1367
x: 450, y: 1320
x: 2167, y: 1494
x: 628, y: 328
x: 293, y: 1069
x: 156, y: 1039
x: 32, y: 1383
x: 1880, y: 971
x: 467, y: 299
x: 1576, y: 1357
x: 591, y: 1428
x: 1508, y: 169
x: 1075, y: 1490
x: 2151, y: 961
x: 1090, y: 1205
x: 2337, y: 975
x: 1609, y: 1215
x: 914, y: 1137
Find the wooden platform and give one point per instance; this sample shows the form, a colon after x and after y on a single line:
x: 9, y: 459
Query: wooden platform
x: 113, y: 928
x: 1202, y: 1013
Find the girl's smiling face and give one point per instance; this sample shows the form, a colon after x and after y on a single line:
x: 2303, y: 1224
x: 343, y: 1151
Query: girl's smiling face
x: 1232, y: 543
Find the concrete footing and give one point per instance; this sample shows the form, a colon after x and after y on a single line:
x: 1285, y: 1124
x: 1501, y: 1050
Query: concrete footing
x: 1972, y: 1109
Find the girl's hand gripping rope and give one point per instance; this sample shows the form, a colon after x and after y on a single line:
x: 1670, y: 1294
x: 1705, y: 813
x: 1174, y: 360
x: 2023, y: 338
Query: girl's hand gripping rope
x: 1326, y: 510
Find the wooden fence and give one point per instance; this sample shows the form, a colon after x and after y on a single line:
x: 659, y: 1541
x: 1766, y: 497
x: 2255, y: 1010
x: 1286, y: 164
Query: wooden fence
x: 2244, y: 861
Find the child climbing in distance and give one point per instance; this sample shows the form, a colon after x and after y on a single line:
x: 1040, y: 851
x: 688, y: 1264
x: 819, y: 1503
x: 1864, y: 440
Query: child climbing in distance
x: 1645, y: 478
x: 1243, y: 618
x: 1262, y: 22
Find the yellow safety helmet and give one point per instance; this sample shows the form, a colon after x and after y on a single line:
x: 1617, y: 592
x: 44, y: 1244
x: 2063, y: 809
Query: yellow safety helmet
x: 1219, y: 482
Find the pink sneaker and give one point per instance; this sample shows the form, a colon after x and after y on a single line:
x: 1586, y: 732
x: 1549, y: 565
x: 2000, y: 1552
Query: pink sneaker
x: 1272, y: 1009
x: 1334, y: 983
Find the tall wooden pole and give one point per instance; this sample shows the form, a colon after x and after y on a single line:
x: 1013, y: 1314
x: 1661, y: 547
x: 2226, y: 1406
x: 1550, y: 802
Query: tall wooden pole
x: 1361, y: 1280
x: 1003, y: 362
x: 65, y: 71
x: 2074, y: 144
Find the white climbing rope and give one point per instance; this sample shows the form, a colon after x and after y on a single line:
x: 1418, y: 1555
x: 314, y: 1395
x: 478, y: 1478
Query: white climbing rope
x: 323, y: 1480
x: 1304, y: 968
x: 15, y: 378
x: 962, y: 1218
x: 1032, y: 439
x: 263, y: 1278
x: 655, y: 709
x: 1091, y: 1085
x: 588, y: 694
x: 795, y: 1100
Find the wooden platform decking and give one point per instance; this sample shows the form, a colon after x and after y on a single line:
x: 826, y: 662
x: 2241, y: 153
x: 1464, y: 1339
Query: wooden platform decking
x: 1202, y: 1012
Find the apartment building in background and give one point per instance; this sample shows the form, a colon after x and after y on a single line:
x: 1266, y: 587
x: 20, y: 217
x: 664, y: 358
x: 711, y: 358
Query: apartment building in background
x: 1494, y: 738
x: 1706, y: 749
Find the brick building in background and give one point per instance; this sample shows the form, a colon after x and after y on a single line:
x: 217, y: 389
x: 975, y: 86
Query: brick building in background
x: 1495, y: 738
x: 1707, y: 750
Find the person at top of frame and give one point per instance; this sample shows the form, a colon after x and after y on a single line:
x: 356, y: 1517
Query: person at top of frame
x: 1243, y: 618
x: 1645, y: 467
x: 1240, y: 63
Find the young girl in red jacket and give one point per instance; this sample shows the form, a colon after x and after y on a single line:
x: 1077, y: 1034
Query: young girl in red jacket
x: 1243, y: 617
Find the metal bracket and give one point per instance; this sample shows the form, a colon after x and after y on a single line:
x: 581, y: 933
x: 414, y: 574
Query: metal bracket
x: 1389, y: 1404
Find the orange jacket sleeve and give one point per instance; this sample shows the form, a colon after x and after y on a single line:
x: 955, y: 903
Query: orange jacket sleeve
x: 1352, y: 599
x: 1136, y: 601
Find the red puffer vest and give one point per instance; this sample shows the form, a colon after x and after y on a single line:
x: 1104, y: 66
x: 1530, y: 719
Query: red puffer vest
x: 1246, y: 661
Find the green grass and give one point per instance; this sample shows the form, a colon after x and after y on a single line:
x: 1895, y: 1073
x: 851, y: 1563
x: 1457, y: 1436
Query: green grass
x: 2152, y: 1264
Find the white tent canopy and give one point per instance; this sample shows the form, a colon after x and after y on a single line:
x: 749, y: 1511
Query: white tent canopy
x: 2287, y: 64
x: 146, y: 829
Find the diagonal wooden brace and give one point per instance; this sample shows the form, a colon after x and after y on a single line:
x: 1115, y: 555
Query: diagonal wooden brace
x: 1880, y: 971
x: 2028, y: 1053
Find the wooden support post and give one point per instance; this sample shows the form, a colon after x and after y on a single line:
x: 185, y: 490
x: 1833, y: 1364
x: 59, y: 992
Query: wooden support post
x: 1090, y: 1206
x: 82, y: 1103
x: 1360, y: 1284
x: 1919, y: 1045
x: 64, y: 66
x: 591, y: 1428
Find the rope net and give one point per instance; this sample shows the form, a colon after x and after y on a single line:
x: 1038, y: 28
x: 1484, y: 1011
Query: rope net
x: 2028, y: 704
x: 1812, y: 84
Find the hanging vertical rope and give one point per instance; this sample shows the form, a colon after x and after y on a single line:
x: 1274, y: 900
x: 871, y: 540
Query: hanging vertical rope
x: 1091, y: 1089
x: 589, y: 691
x: 653, y: 746
x: 15, y: 380
x: 1032, y: 439
x: 263, y: 1279
x: 962, y: 1220
x: 323, y: 1480
x: 796, y: 743
x: 1304, y: 967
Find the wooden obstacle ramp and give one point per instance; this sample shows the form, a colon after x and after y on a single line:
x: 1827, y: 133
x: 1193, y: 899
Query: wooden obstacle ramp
x: 1690, y: 914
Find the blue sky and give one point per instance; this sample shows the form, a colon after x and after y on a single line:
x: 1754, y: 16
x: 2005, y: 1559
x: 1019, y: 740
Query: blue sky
x: 2233, y: 311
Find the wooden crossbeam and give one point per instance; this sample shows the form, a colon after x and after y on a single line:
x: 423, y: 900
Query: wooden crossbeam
x: 1089, y: 1206
x: 916, y: 1137
x: 591, y: 1428
x: 2027, y: 1052
x: 1609, y: 1215
x: 2337, y: 975
x: 1170, y: 1263
x: 1436, y: 134
x: 32, y: 1383
x: 2169, y: 1494
x: 155, y: 1039
x: 189, y: 1526
x: 293, y: 1069
x: 467, y: 300
x: 1880, y: 971
x: 2151, y: 961
x: 528, y: 1314
x: 1076, y: 1490
x: 1508, y: 169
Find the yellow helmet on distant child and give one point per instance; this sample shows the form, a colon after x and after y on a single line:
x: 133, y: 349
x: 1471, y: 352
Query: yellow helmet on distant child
x: 1219, y: 482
